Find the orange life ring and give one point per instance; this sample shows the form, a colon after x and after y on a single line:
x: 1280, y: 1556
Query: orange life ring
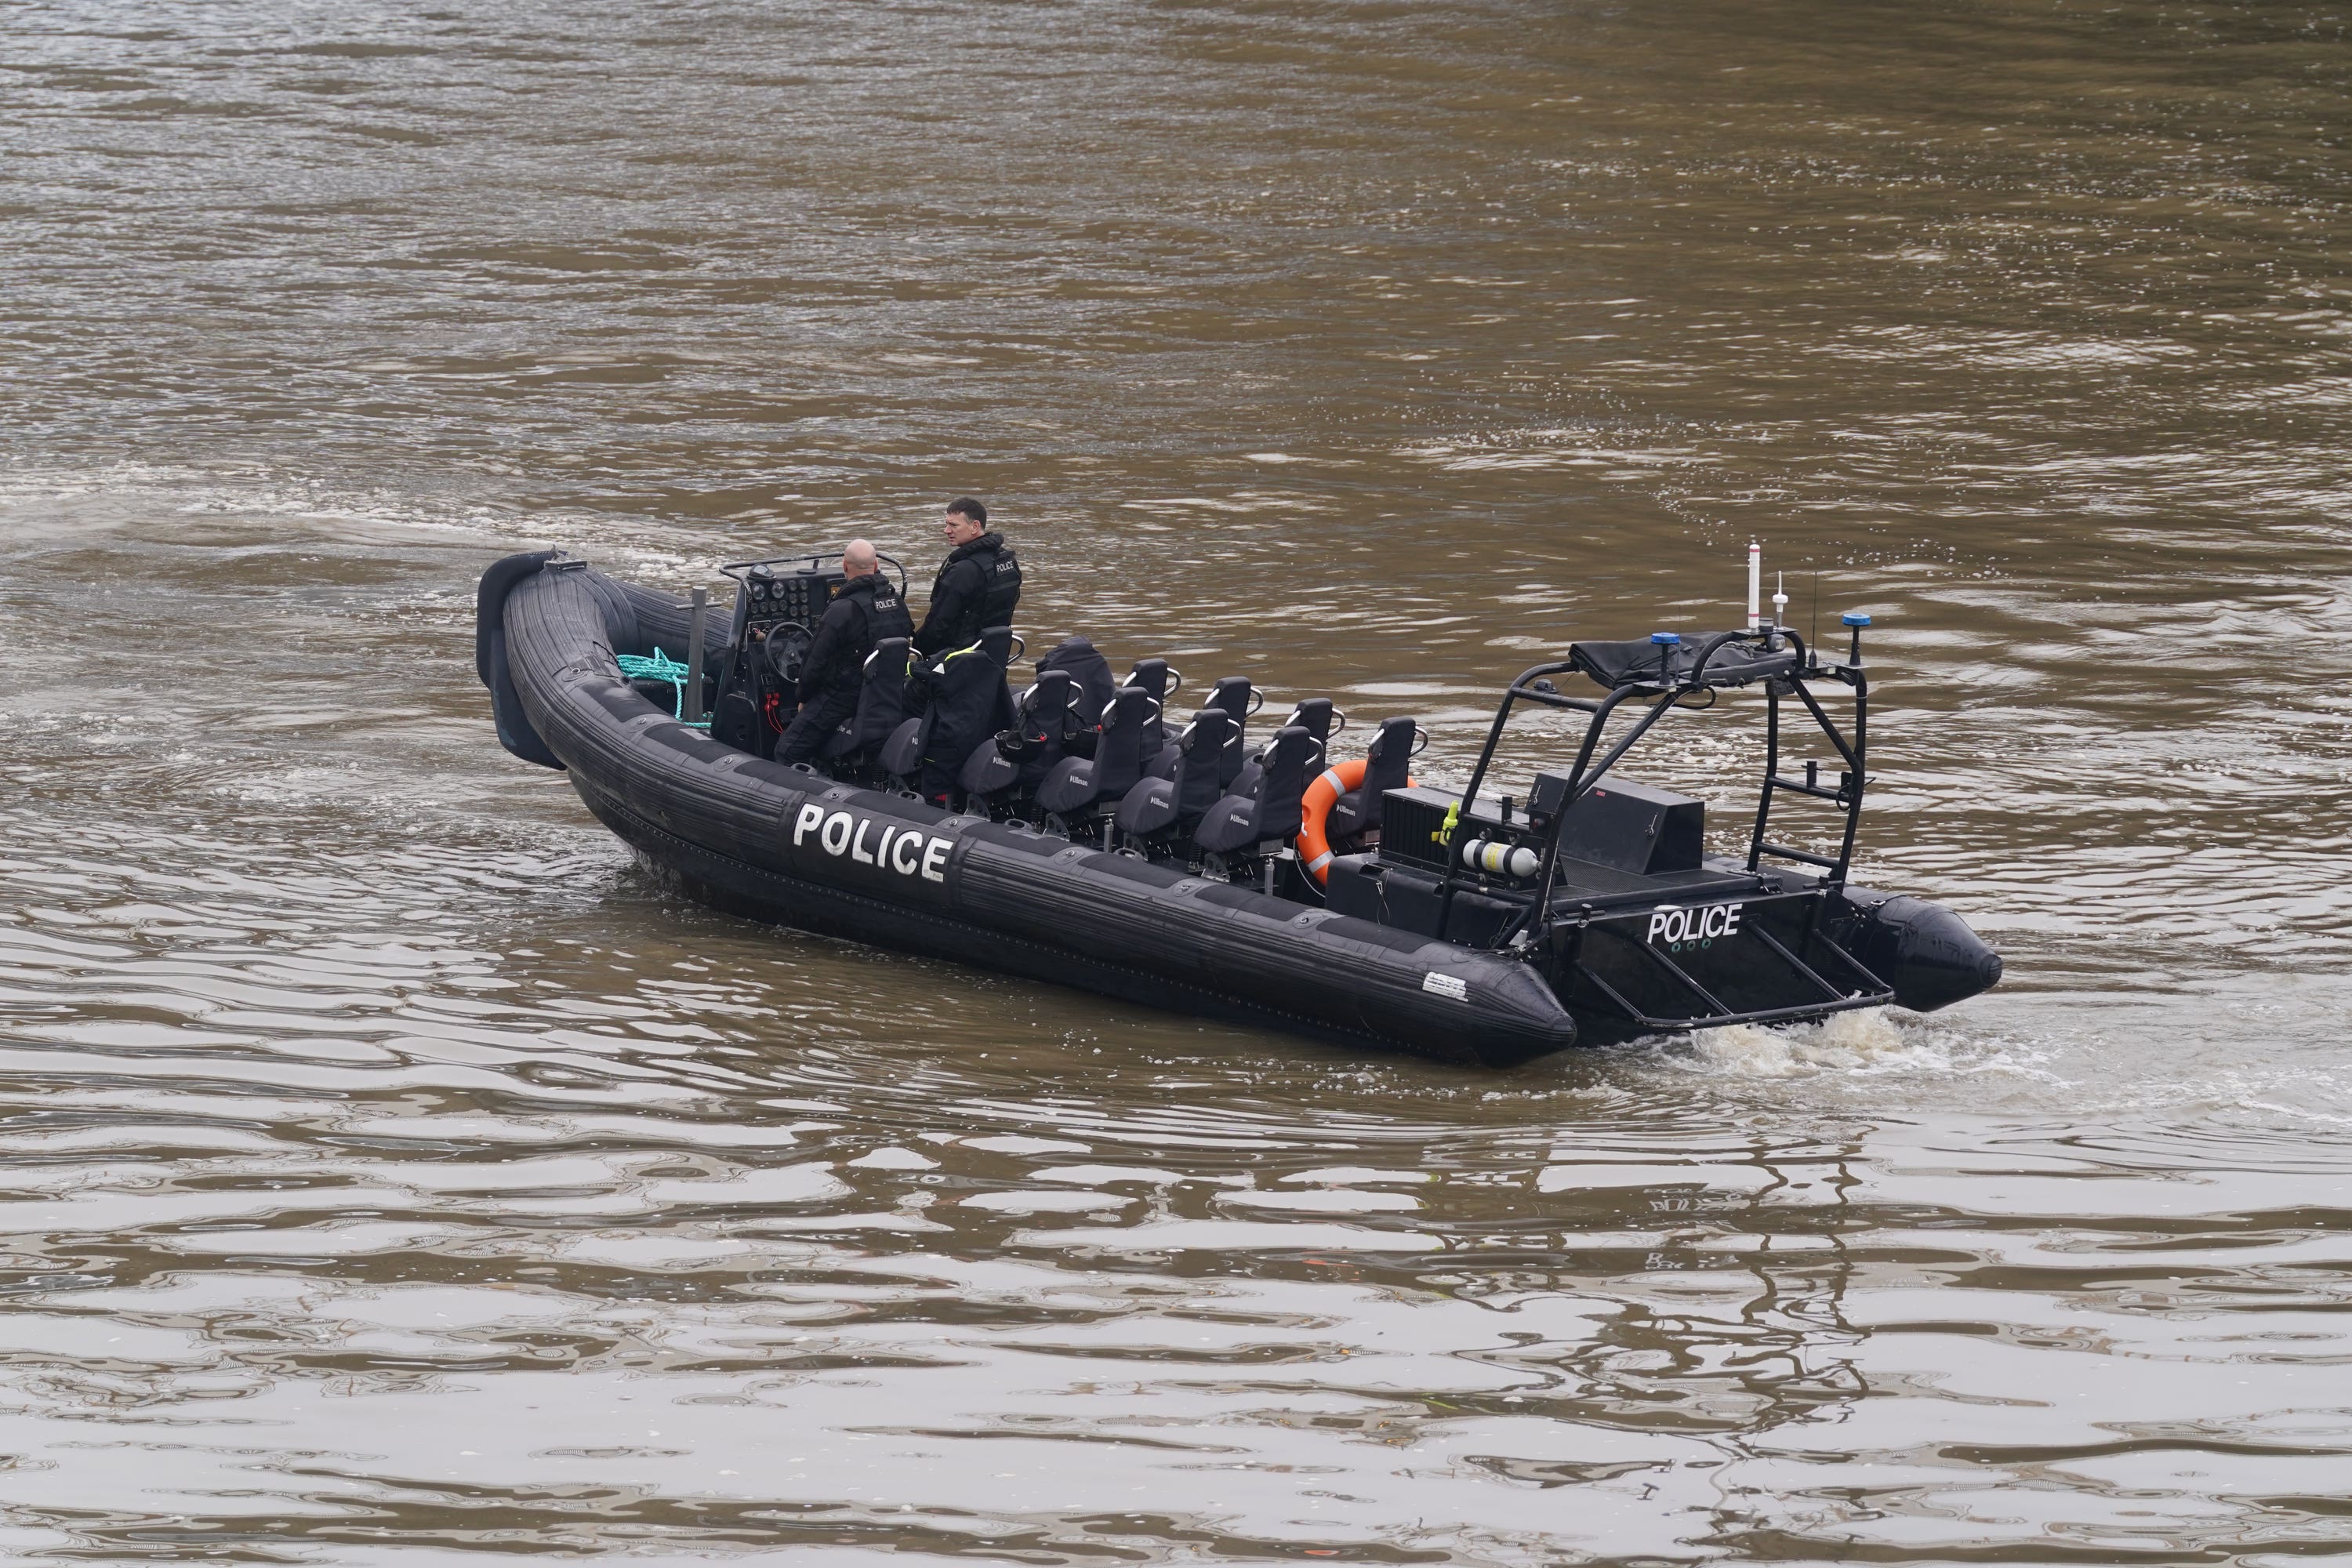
x: 1315, y: 810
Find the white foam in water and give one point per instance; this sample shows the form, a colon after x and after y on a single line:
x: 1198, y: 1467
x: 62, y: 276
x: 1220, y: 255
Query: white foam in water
x: 66, y: 501
x: 2000, y: 1069
x: 1868, y: 1039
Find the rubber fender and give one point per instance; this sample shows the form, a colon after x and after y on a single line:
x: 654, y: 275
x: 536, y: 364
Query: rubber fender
x: 1925, y: 951
x: 515, y: 732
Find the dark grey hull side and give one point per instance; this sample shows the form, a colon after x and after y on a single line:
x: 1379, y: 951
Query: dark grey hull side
x: 796, y: 850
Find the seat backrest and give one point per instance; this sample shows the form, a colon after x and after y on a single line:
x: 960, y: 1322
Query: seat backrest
x: 997, y: 647
x: 1201, y: 750
x: 1314, y: 715
x: 970, y: 701
x: 1045, y: 707
x: 1090, y: 669
x: 1047, y: 711
x: 882, y: 700
x: 1119, y: 754
x: 1233, y: 694
x: 1157, y: 681
x: 1388, y: 762
x: 1283, y: 785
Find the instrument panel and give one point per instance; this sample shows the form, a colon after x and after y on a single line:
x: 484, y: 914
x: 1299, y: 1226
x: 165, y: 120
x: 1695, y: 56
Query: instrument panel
x: 770, y: 597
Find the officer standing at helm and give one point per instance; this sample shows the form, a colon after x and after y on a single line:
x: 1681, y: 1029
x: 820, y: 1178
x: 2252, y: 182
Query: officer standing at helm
x: 978, y: 584
x: 864, y: 610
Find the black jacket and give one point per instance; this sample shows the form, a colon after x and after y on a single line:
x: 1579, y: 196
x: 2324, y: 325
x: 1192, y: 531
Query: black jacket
x: 864, y: 611
x: 977, y: 587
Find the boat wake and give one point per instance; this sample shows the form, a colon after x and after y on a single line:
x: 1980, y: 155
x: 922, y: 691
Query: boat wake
x: 1871, y: 1041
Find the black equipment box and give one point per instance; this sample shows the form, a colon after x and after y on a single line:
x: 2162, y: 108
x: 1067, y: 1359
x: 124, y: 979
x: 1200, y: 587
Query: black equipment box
x: 1624, y: 826
x: 1413, y: 827
x: 1544, y: 797
x: 1630, y: 827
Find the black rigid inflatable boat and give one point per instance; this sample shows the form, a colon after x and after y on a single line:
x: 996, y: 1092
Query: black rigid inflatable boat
x: 1086, y: 843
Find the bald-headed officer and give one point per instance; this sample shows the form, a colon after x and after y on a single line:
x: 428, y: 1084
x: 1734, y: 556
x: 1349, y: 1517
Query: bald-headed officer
x: 864, y: 611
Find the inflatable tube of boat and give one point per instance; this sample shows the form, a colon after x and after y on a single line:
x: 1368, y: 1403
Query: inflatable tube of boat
x: 790, y: 846
x: 1925, y: 951
x: 515, y: 732
x: 636, y: 620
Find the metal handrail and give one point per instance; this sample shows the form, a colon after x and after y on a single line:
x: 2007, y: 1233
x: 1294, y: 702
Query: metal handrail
x: 828, y: 552
x: 1669, y: 691
x: 1847, y: 798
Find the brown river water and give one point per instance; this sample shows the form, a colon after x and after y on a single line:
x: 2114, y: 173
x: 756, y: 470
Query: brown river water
x: 397, y: 1173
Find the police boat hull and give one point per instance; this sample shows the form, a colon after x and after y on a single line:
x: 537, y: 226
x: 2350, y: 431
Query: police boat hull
x: 794, y: 847
x: 776, y: 844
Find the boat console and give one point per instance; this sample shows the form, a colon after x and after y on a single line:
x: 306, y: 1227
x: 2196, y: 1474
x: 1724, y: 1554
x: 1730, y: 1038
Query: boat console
x: 778, y: 603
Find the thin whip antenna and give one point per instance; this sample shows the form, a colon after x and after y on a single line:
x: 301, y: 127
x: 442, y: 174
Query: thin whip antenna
x: 1817, y: 610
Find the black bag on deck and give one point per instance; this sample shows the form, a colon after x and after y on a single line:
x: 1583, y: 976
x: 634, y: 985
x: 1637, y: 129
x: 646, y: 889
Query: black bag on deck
x: 969, y: 704
x: 1091, y: 670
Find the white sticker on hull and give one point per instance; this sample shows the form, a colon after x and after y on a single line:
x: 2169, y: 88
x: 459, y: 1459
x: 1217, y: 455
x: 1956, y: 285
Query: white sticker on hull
x: 1452, y: 985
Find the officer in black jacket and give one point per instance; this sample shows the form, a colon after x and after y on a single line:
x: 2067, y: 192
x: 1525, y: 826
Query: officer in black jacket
x: 864, y: 611
x: 978, y: 584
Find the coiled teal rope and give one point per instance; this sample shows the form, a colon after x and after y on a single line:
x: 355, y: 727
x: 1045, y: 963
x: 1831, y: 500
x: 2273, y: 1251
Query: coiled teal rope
x: 660, y: 666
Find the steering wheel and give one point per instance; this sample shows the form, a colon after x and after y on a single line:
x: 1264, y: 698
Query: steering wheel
x: 788, y: 650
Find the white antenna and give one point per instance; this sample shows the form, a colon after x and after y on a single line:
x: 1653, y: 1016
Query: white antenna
x: 1755, y: 578
x: 1779, y: 607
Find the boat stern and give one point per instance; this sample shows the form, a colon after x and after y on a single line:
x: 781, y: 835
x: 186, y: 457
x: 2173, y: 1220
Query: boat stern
x: 1925, y: 952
